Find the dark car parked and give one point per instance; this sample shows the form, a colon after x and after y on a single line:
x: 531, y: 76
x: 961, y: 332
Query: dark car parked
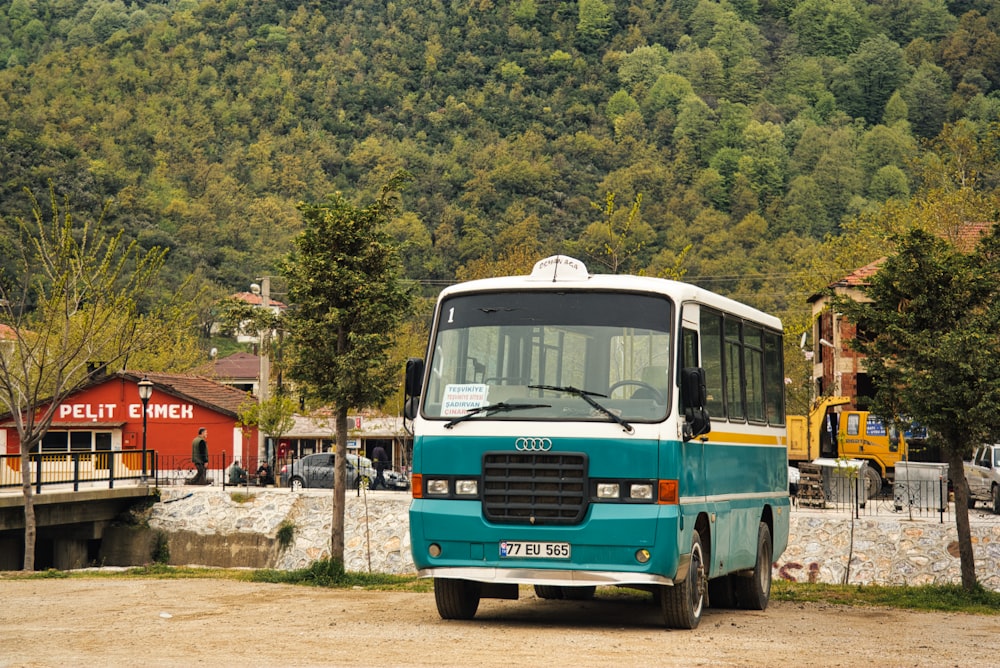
x: 317, y: 471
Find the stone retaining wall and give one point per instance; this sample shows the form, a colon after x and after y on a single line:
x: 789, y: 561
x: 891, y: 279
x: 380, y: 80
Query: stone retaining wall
x: 886, y: 551
x: 376, y: 527
x: 208, y: 527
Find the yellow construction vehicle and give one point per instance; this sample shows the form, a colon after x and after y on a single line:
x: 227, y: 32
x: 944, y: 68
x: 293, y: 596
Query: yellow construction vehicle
x: 849, y: 435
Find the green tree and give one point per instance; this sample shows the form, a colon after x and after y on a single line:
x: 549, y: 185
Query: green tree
x: 889, y: 182
x: 274, y: 416
x: 344, y: 281
x: 616, y: 241
x: 829, y: 27
x: 73, y: 298
x: 594, y: 25
x: 870, y: 77
x: 933, y: 339
x: 926, y: 95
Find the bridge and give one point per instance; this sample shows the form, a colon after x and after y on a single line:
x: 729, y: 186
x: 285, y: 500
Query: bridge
x: 70, y: 525
x: 75, y: 498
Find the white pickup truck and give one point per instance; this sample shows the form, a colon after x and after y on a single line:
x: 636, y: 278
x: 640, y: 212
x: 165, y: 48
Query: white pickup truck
x: 983, y: 475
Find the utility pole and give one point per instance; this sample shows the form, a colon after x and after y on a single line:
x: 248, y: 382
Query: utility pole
x: 265, y: 362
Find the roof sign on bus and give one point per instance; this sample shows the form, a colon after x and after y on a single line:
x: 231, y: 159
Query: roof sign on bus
x: 559, y: 268
x: 459, y: 399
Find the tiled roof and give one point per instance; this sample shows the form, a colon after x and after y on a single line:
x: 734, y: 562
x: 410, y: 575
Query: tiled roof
x: 859, y: 277
x: 237, y: 365
x: 197, y: 389
x: 7, y: 332
x: 256, y: 300
x: 964, y: 237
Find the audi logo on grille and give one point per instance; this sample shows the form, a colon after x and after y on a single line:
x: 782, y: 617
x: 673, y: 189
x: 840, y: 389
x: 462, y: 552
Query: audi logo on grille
x: 532, y: 444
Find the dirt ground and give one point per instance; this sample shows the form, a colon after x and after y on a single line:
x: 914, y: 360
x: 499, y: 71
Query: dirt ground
x: 130, y: 622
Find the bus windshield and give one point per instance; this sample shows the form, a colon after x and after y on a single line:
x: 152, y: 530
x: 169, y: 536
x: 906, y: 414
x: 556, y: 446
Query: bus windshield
x: 551, y: 355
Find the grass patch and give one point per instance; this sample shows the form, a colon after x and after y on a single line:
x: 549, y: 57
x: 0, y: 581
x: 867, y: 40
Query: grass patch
x: 285, y: 534
x: 331, y: 574
x: 242, y: 497
x: 932, y: 598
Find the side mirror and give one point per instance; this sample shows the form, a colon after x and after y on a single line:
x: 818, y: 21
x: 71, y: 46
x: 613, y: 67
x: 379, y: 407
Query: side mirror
x: 411, y: 387
x: 414, y: 376
x: 694, y: 393
x: 694, y: 396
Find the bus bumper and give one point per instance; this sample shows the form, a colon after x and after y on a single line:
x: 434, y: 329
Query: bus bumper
x: 569, y: 578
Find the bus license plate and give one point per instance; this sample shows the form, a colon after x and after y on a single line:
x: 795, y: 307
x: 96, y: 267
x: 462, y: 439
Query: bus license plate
x: 533, y: 550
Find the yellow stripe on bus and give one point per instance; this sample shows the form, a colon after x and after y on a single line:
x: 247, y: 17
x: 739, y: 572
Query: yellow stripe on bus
x: 746, y: 439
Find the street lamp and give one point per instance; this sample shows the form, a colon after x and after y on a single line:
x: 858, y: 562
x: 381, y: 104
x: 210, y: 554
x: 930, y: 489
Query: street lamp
x: 836, y: 372
x: 145, y: 392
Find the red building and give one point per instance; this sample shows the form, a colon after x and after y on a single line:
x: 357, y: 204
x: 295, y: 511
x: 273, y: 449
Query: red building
x: 107, y: 415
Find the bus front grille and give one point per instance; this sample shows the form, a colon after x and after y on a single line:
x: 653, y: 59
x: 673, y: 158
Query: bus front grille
x: 535, y: 488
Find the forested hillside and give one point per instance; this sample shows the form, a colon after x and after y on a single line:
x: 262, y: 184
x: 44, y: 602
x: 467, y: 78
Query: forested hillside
x: 750, y: 129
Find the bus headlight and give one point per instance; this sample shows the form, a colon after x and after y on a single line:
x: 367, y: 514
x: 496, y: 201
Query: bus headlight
x: 642, y: 556
x: 437, y: 486
x: 607, y: 490
x: 641, y: 492
x: 466, y: 488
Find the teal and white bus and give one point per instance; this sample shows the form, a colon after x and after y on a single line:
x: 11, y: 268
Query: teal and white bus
x: 575, y: 430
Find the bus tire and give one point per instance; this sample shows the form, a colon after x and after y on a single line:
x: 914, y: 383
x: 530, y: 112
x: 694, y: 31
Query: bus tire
x: 456, y: 599
x: 683, y: 603
x: 753, y: 593
x: 548, y: 591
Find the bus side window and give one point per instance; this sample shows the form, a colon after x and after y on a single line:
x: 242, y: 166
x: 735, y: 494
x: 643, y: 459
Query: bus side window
x: 735, y: 406
x: 711, y: 361
x: 689, y: 348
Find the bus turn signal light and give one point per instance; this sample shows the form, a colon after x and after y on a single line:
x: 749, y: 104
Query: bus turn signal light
x: 668, y: 492
x: 417, y: 485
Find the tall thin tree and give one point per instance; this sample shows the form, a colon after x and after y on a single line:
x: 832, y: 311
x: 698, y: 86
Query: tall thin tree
x: 347, y: 299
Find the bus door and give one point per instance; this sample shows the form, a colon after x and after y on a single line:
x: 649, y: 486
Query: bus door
x: 701, y: 338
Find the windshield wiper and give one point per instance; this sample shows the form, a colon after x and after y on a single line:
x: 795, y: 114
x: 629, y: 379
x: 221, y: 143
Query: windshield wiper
x: 491, y: 409
x: 586, y: 396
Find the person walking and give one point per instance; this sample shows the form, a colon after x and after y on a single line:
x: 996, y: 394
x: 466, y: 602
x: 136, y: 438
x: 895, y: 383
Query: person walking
x: 381, y: 464
x: 199, y: 455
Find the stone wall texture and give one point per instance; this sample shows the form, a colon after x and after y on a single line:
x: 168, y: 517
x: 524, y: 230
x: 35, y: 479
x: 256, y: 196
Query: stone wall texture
x: 215, y: 527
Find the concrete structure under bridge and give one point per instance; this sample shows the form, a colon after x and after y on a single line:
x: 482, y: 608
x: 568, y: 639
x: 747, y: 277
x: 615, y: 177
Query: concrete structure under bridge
x: 70, y: 525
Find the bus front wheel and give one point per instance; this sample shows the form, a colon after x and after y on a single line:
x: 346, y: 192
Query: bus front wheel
x: 684, y: 602
x: 456, y: 599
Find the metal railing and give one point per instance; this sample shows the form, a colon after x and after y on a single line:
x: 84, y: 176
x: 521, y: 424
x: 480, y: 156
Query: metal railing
x: 77, y: 468
x: 109, y: 468
x: 913, y: 498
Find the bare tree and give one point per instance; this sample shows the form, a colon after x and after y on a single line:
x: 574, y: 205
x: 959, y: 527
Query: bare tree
x: 72, y: 303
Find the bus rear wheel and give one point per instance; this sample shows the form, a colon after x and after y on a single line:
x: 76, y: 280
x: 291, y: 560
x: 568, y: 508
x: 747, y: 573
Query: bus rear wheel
x: 683, y: 603
x: 548, y: 591
x: 456, y: 599
x: 753, y: 593
x: 568, y: 593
